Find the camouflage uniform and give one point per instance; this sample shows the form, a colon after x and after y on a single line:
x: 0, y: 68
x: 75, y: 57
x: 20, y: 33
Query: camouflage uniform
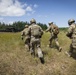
x: 53, y: 36
x: 35, y: 40
x: 71, y: 33
x: 25, y: 35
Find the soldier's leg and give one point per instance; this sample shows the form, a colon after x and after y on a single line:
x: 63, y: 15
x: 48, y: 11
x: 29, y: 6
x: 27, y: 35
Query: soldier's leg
x: 32, y: 46
x: 50, y: 40
x: 69, y: 53
x: 26, y: 45
x: 40, y: 55
x: 57, y: 44
x: 39, y: 51
x: 71, y: 50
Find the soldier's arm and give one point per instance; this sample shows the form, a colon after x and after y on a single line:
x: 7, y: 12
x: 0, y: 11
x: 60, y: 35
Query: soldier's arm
x: 48, y: 29
x: 22, y: 34
x: 41, y: 31
x: 29, y: 30
x: 69, y: 32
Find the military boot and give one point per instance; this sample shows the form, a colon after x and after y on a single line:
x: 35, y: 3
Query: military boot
x: 68, y: 54
x: 49, y: 45
x: 60, y: 48
x: 42, y: 60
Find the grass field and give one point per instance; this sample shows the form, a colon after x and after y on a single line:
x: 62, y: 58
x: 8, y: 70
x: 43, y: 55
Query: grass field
x: 15, y: 60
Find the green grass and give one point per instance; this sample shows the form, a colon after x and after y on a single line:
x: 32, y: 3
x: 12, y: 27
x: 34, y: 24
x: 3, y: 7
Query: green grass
x: 15, y: 60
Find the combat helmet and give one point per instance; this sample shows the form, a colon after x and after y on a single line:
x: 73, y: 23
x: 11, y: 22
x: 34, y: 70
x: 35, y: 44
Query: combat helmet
x: 50, y: 23
x: 26, y: 26
x: 33, y: 21
x: 70, y: 21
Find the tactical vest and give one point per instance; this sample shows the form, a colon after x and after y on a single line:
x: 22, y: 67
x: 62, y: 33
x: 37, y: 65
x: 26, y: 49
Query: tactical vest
x: 74, y: 38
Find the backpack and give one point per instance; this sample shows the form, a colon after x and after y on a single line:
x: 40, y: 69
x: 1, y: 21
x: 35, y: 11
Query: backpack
x: 36, y: 31
x: 55, y: 29
x: 26, y: 31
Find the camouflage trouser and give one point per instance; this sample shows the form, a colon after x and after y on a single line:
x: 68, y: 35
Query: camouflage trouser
x: 54, y: 37
x: 72, y: 46
x: 27, y: 43
x: 71, y: 49
x: 35, y: 42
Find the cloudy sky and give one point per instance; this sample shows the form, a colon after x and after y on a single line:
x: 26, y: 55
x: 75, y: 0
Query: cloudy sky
x: 44, y: 11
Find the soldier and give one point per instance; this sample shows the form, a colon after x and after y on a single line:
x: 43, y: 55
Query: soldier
x: 25, y: 35
x: 36, y: 33
x: 53, y: 29
x: 71, y: 33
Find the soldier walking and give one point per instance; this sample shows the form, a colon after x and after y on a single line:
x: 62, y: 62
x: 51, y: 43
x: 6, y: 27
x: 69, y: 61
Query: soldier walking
x: 25, y: 35
x: 36, y: 34
x: 54, y: 30
x: 71, y: 33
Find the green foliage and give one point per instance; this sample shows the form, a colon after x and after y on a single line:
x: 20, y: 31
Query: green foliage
x: 18, y: 26
x: 63, y: 29
x: 43, y: 26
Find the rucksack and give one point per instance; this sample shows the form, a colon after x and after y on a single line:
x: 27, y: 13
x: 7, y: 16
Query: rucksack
x: 55, y: 29
x: 35, y: 31
x: 26, y: 31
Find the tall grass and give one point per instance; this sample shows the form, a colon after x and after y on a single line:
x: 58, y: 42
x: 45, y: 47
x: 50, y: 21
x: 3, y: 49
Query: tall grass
x: 15, y: 60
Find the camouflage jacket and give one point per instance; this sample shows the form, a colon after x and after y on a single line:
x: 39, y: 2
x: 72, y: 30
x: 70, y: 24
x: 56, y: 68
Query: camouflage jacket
x: 25, y: 33
x: 51, y: 28
x: 70, y: 31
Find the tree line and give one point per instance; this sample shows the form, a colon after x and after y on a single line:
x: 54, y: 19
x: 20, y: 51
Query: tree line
x: 17, y: 26
x: 20, y: 25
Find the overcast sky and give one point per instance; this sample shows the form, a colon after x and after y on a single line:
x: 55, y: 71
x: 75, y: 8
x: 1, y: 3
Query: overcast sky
x: 44, y: 11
